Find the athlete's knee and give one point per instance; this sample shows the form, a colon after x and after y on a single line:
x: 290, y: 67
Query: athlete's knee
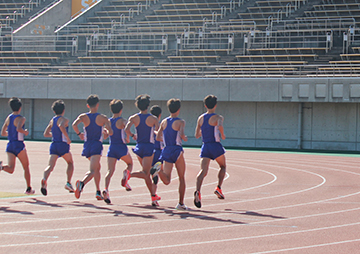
x: 165, y: 180
x: 203, y: 173
x: 10, y: 169
x: 49, y: 169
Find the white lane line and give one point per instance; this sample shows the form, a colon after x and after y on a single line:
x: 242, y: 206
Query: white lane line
x: 201, y: 229
x: 222, y: 240
x: 111, y: 214
x: 275, y: 196
x: 27, y: 235
x: 131, y: 196
x: 86, y: 217
x: 309, y: 246
x: 229, y: 240
x: 325, y: 165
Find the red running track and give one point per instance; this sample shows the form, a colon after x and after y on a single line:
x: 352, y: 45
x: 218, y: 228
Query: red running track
x: 275, y: 203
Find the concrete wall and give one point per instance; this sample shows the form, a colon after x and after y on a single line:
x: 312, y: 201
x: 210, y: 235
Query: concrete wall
x: 259, y: 113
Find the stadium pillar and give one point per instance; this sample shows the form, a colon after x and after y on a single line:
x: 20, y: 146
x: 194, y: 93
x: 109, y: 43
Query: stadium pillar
x: 31, y: 120
x: 300, y: 125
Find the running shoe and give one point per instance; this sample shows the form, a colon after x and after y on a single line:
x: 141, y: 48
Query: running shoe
x: 69, y: 187
x: 155, y: 179
x: 155, y: 198
x: 106, y: 196
x: 219, y: 193
x: 125, y: 178
x: 29, y: 191
x: 43, y: 187
x: 98, y: 195
x: 127, y: 187
x: 79, y: 188
x: 182, y: 207
x: 197, y: 199
x: 154, y: 171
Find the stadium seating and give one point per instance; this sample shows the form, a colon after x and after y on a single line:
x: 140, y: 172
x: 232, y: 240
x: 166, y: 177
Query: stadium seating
x: 213, y: 38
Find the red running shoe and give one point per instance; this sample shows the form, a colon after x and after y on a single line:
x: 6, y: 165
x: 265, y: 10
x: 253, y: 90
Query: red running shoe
x: 219, y: 193
x: 78, y: 190
x: 197, y: 199
x: 155, y: 198
x: 125, y: 178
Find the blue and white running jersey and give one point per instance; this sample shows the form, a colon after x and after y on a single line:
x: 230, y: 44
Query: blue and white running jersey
x: 159, y: 145
x: 13, y: 134
x: 118, y: 136
x: 57, y: 135
x: 93, y: 132
x: 209, y: 133
x: 145, y: 134
x: 171, y: 137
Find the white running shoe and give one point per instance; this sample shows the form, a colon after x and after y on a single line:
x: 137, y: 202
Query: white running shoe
x: 154, y: 171
x: 181, y: 207
x: 69, y: 187
x: 29, y: 191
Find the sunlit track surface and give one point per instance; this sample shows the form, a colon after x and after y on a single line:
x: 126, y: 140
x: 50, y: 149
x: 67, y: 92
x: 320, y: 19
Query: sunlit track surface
x: 274, y: 203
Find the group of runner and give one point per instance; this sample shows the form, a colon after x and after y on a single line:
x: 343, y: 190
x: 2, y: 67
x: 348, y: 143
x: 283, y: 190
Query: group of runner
x: 158, y: 145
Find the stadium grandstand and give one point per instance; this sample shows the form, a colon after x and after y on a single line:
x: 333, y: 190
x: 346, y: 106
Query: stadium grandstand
x: 168, y: 38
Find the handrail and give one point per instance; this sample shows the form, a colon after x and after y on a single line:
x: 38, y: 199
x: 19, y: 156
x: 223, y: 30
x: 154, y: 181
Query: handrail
x: 214, y: 17
x: 288, y: 10
x: 139, y: 8
x: 131, y: 14
x: 193, y: 71
x: 223, y: 11
x: 122, y: 19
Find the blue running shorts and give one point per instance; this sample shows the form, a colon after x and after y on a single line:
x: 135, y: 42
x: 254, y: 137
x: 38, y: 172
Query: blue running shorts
x: 59, y: 148
x: 144, y: 149
x: 117, y: 151
x: 92, y: 148
x: 211, y: 150
x: 157, y: 155
x: 15, y: 147
x: 171, y: 153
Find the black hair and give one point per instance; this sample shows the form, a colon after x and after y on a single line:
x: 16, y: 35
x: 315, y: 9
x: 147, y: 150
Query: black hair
x: 92, y: 100
x: 116, y: 106
x: 15, y: 103
x: 142, y: 101
x: 210, y: 101
x: 155, y: 110
x: 58, y: 107
x: 173, y: 105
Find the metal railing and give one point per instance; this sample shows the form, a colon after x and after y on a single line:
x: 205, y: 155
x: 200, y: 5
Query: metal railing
x: 13, y: 18
x: 126, y: 42
x: 212, y: 71
x: 150, y: 28
x: 313, y: 24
